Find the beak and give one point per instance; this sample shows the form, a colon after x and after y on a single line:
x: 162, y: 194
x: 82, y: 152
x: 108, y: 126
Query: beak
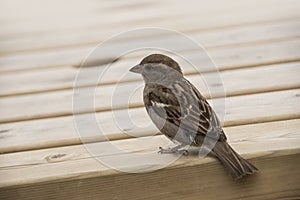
x: 136, y: 69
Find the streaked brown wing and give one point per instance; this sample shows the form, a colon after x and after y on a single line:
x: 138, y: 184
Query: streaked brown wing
x: 182, y: 105
x: 209, y: 114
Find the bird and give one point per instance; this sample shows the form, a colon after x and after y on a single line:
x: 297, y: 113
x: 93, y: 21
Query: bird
x: 183, y: 115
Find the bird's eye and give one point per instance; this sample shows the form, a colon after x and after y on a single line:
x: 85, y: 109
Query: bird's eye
x: 147, y: 67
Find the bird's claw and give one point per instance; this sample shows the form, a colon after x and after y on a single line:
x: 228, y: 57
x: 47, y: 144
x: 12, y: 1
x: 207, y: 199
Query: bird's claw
x: 173, y: 151
x: 184, y: 152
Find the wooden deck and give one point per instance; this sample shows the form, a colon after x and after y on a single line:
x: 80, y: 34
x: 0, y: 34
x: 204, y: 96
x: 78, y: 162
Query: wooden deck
x: 254, y: 44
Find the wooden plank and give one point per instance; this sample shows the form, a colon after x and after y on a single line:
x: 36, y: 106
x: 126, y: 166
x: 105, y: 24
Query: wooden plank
x: 240, y: 13
x: 277, y: 131
x: 208, y: 38
x: 54, y: 104
x: 60, y: 131
x: 43, y: 59
x: 276, y: 154
x: 238, y: 56
x: 202, y: 183
x: 255, y: 54
x: 59, y: 103
x: 53, y: 79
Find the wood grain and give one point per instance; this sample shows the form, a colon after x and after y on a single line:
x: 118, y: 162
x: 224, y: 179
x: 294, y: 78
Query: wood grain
x: 276, y: 152
x: 48, y: 150
x: 157, y: 184
x: 97, y: 15
x: 214, y: 37
x: 271, y: 132
x: 253, y: 54
x: 61, y: 131
x: 59, y: 103
x: 51, y: 79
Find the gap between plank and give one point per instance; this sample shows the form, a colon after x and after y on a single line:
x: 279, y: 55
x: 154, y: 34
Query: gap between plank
x: 117, y: 136
x: 154, y: 36
x: 263, y: 64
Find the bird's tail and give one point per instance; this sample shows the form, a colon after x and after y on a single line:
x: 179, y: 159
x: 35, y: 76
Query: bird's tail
x: 233, y: 162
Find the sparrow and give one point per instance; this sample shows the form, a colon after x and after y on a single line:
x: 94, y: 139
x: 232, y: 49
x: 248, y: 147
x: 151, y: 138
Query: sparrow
x: 183, y: 115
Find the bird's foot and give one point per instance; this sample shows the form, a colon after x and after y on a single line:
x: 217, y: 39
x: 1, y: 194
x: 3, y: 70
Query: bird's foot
x: 174, y: 150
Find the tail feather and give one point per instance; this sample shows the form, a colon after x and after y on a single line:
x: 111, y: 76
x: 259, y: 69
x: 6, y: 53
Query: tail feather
x: 233, y: 162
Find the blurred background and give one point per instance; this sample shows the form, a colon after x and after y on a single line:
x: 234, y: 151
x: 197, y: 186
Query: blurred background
x: 34, y: 31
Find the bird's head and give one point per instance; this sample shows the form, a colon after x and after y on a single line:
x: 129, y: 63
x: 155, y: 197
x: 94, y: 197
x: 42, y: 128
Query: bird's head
x: 156, y: 65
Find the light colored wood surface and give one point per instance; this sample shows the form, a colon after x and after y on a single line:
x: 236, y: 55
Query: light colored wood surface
x: 74, y: 163
x: 59, y: 103
x: 60, y: 131
x: 64, y: 77
x: 255, y: 46
x: 197, y: 183
x: 41, y: 22
x: 230, y: 35
x: 237, y: 56
x: 246, y: 134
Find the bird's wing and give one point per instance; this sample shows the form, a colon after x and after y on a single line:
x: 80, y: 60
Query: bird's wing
x: 183, y: 105
x: 210, y: 115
